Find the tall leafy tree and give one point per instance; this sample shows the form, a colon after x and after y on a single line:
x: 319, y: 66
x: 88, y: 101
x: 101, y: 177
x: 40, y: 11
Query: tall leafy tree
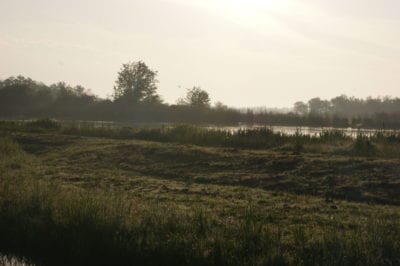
x: 136, y: 83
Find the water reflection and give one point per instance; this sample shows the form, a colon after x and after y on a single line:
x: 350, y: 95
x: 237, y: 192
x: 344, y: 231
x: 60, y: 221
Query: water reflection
x: 311, y: 131
x: 13, y: 261
x: 288, y: 130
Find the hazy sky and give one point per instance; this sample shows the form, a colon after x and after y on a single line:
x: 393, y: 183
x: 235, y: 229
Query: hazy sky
x: 243, y: 52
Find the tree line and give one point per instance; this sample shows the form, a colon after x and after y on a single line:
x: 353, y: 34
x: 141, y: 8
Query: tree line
x: 135, y: 99
x: 345, y: 106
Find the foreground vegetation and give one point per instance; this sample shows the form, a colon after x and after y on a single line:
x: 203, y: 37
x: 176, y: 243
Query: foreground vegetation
x: 123, y: 196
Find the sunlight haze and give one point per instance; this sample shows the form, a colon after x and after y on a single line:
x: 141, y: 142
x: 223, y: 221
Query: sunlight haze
x: 244, y: 53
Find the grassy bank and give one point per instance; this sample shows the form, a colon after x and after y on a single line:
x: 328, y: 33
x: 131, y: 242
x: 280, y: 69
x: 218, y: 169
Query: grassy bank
x: 75, y: 200
x: 379, y: 144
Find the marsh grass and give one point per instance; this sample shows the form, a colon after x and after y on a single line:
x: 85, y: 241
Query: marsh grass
x: 364, y: 146
x: 45, y: 124
x: 381, y: 143
x: 257, y: 138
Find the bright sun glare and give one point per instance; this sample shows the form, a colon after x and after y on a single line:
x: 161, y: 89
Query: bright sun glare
x: 245, y: 9
x: 247, y: 5
x: 240, y: 9
x: 249, y: 13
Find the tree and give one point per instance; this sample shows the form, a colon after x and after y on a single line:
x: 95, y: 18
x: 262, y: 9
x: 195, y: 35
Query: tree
x: 300, y: 108
x: 18, y: 81
x: 136, y: 83
x: 196, y: 97
x: 318, y: 106
x: 220, y: 106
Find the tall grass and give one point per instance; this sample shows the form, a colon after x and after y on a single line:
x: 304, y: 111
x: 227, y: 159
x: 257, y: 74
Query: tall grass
x: 332, y: 136
x: 53, y: 226
x: 246, y: 138
x: 363, y: 146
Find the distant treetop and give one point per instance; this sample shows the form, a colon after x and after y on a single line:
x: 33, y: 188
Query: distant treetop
x: 196, y: 97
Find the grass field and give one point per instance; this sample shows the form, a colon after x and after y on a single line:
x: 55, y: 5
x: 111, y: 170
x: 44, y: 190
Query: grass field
x: 72, y: 196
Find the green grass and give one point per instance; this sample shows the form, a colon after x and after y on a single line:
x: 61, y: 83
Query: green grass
x: 78, y: 200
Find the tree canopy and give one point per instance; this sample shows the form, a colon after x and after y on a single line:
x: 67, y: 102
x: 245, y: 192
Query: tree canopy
x: 196, y: 97
x: 135, y: 83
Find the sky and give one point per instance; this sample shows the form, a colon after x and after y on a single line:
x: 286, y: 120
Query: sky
x: 245, y: 53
